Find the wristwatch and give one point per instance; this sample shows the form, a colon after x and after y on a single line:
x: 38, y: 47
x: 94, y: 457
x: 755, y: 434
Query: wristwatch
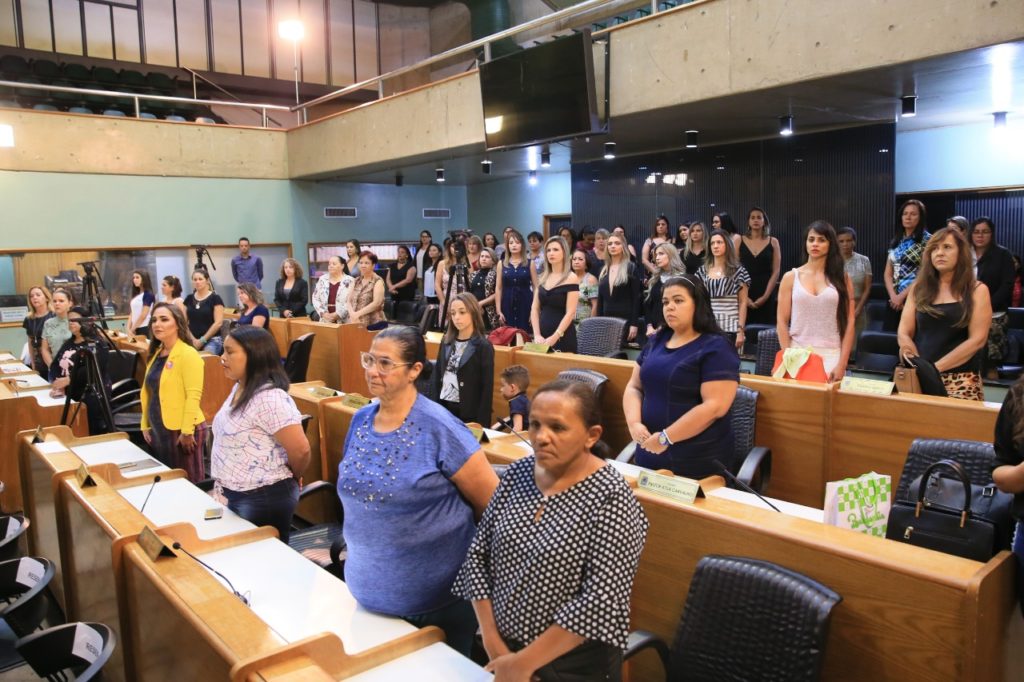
x: 663, y: 438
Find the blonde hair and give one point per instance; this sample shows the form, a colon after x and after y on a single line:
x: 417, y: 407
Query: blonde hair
x: 28, y: 299
x: 566, y: 267
x: 622, y: 275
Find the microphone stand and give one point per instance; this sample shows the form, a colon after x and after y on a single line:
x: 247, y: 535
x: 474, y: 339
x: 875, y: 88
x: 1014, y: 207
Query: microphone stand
x: 728, y: 474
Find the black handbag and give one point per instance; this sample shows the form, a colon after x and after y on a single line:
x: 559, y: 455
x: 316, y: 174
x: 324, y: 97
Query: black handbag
x: 941, y: 516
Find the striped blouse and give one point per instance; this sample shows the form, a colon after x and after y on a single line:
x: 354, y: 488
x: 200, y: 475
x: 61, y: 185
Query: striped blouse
x: 724, y: 292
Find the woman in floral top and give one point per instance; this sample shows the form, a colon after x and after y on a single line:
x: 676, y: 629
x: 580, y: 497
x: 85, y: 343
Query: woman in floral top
x: 588, y: 286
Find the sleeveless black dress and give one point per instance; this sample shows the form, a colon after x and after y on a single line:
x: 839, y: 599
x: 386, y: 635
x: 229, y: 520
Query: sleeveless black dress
x: 759, y: 268
x: 552, y: 310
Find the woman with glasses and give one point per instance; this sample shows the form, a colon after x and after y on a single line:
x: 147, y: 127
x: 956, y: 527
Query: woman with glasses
x: 464, y: 380
x: 412, y: 482
x: 677, y: 401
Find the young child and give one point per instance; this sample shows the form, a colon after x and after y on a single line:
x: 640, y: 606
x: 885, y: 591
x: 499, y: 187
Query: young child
x: 515, y: 379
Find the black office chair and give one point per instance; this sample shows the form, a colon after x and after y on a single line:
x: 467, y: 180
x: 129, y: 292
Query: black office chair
x: 752, y: 464
x: 601, y: 337
x: 320, y: 542
x: 767, y: 347
x: 1012, y: 365
x: 751, y: 334
x: 297, y: 361
x: 1015, y: 318
x: 428, y: 319
x: 56, y: 653
x: 878, y: 352
x: 592, y: 378
x: 12, y: 527
x: 24, y: 585
x: 408, y: 312
x: 121, y: 365
x: 746, y: 619
x: 974, y: 456
x: 875, y: 311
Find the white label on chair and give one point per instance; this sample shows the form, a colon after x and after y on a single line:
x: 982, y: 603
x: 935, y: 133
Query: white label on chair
x: 88, y: 643
x: 30, y: 572
x: 13, y: 526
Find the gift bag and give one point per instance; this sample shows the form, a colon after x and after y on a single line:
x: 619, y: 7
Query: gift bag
x: 799, y: 363
x: 861, y: 504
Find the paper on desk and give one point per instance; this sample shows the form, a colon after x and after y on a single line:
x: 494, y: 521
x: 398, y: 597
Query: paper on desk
x: 7, y: 357
x: 14, y: 368
x: 50, y: 447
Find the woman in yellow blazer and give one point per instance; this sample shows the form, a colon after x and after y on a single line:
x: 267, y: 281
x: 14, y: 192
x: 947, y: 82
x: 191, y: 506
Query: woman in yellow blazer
x: 173, y: 423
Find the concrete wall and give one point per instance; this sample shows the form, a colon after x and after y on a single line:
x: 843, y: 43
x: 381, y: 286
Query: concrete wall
x: 493, y: 205
x: 960, y: 157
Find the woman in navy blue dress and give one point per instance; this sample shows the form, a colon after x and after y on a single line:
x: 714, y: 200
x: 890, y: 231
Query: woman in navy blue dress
x: 678, y: 399
x: 514, y: 288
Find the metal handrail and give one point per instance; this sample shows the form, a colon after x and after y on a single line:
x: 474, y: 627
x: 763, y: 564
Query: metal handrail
x: 484, y: 43
x: 196, y: 74
x: 135, y: 97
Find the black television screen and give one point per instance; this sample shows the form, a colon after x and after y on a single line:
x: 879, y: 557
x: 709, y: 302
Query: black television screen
x: 540, y: 94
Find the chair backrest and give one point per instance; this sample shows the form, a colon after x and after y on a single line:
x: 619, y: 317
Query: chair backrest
x: 590, y: 377
x: 767, y: 347
x: 121, y: 364
x: 742, y: 414
x: 297, y: 361
x: 752, y: 330
x: 750, y: 619
x: 429, y: 318
x: 79, y: 648
x: 875, y: 311
x: 23, y: 584
x: 600, y: 335
x: 1015, y: 318
x: 12, y: 527
x: 974, y: 456
x: 878, y: 351
x: 408, y: 312
x: 423, y: 384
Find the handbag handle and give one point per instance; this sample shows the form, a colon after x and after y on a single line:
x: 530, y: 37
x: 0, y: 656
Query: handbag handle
x: 958, y: 470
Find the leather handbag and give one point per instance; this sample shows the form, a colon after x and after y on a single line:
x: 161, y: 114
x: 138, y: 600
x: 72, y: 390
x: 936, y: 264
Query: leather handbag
x: 905, y: 379
x: 954, y: 530
x: 987, y: 502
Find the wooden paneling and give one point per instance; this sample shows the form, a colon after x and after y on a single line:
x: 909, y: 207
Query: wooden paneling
x: 353, y: 340
x: 792, y: 418
x: 31, y: 269
x: 216, y: 386
x: 335, y: 419
x: 281, y: 330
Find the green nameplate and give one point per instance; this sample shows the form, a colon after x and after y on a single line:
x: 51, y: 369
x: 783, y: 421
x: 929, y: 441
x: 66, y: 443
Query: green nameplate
x: 868, y: 386
x: 152, y: 545
x: 533, y: 347
x: 677, y: 488
x: 323, y: 392
x: 84, y: 477
x: 355, y: 401
x: 479, y: 434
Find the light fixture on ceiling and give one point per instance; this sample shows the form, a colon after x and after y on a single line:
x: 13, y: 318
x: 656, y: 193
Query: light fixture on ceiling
x: 533, y: 179
x: 293, y: 31
x: 399, y: 180
x: 545, y: 157
x: 494, y: 124
x: 691, y: 139
x: 6, y: 135
x: 998, y: 120
x: 651, y: 179
x: 785, y: 126
x: 883, y: 150
x: 439, y: 173
x: 719, y: 167
x: 908, y: 106
x: 609, y: 150
x: 485, y: 166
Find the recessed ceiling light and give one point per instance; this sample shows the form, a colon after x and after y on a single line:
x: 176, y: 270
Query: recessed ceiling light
x: 609, y: 150
x: 785, y: 126
x: 908, y: 107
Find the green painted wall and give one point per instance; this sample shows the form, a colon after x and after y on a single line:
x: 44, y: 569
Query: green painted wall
x: 493, y: 205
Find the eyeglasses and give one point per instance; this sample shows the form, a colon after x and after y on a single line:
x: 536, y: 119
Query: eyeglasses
x: 384, y: 365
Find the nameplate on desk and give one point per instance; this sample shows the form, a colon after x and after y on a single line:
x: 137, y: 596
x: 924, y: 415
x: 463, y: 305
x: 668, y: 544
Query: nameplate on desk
x: 867, y: 386
x: 355, y: 401
x: 84, y: 477
x: 37, y: 437
x: 152, y: 545
x: 479, y: 434
x: 534, y: 347
x: 323, y: 392
x: 677, y: 488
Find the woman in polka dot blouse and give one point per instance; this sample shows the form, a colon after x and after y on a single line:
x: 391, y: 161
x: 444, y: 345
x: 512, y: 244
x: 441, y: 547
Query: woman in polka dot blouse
x: 552, y: 565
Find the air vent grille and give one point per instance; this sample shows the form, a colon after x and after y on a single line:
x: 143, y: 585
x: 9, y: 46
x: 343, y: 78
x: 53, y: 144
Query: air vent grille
x: 437, y: 213
x: 341, y: 212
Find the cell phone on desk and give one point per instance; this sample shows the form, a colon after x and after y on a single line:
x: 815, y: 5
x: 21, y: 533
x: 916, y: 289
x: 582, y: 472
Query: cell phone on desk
x: 214, y: 513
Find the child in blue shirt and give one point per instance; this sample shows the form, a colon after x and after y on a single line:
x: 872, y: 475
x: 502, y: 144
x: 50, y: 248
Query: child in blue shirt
x: 515, y: 379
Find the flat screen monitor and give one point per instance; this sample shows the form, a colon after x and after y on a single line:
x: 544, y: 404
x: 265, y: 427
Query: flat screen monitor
x: 541, y: 94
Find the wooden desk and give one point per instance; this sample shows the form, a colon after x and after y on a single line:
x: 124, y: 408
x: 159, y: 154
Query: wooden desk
x: 216, y: 386
x: 281, y: 329
x: 335, y: 419
x: 545, y: 367
x: 324, y: 363
x: 309, y: 403
x: 354, y: 340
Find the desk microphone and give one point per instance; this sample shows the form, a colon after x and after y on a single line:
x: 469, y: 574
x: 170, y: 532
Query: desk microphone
x: 728, y: 474
x: 516, y: 434
x: 211, y: 569
x: 156, y: 479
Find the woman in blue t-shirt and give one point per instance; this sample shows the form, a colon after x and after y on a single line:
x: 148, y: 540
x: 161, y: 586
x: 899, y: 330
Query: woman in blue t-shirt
x: 677, y: 401
x: 250, y: 301
x: 412, y: 482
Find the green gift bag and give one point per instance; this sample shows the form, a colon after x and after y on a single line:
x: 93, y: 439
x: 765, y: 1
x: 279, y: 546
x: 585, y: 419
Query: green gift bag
x: 861, y: 504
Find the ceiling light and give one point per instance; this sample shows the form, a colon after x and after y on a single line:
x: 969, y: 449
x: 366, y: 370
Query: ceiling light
x: 998, y: 120
x: 669, y: 179
x: 719, y: 167
x: 651, y: 179
x: 485, y: 166
x: 785, y: 126
x: 439, y: 173
x: 533, y: 179
x: 609, y: 150
x: 399, y: 180
x: 908, y: 108
x: 691, y: 139
x: 883, y: 150
x: 680, y: 179
x: 545, y: 157
x: 493, y: 124
x: 6, y: 135
x: 291, y: 30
